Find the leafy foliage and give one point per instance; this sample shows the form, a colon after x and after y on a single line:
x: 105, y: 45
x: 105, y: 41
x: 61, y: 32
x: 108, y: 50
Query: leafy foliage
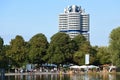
x: 83, y: 47
x: 60, y: 50
x: 115, y: 46
x: 38, y: 46
x: 1, y: 43
x: 1, y: 52
x: 17, y: 51
x: 103, y: 55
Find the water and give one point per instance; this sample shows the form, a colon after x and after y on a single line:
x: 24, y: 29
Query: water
x: 64, y: 77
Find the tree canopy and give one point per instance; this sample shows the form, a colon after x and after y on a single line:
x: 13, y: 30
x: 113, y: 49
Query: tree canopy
x: 115, y: 46
x: 17, y: 51
x: 38, y: 47
x: 103, y: 55
x: 1, y: 52
x: 60, y: 50
x: 83, y: 47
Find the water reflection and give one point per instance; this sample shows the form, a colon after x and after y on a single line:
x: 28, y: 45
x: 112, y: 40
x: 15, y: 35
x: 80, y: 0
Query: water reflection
x: 64, y: 77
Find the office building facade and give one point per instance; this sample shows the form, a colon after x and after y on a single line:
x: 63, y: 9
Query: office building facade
x: 74, y: 21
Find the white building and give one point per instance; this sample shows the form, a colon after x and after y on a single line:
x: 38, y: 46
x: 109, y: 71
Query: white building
x: 74, y: 21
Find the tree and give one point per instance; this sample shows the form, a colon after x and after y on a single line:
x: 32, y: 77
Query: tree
x: 17, y: 52
x: 114, y: 46
x: 38, y: 47
x: 80, y: 40
x: 6, y: 61
x: 1, y: 43
x: 79, y: 58
x: 71, y: 49
x: 2, y: 55
x: 83, y: 47
x: 59, y: 50
x: 103, y: 55
x: 93, y: 55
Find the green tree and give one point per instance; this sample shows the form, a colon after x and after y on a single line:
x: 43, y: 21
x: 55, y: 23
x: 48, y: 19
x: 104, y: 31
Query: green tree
x: 71, y: 49
x: 1, y: 43
x: 59, y: 49
x: 6, y: 60
x: 80, y: 40
x: 93, y: 55
x: 38, y: 47
x: 103, y: 55
x: 114, y: 46
x: 83, y: 48
x: 79, y: 58
x: 17, y: 52
x: 2, y: 55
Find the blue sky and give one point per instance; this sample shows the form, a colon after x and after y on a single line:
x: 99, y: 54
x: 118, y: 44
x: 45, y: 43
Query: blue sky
x: 29, y: 17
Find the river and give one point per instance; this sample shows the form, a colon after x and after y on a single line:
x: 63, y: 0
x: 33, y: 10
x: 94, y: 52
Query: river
x: 64, y: 77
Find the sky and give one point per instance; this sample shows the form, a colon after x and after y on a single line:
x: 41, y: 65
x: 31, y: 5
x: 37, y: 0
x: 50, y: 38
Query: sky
x: 30, y: 17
